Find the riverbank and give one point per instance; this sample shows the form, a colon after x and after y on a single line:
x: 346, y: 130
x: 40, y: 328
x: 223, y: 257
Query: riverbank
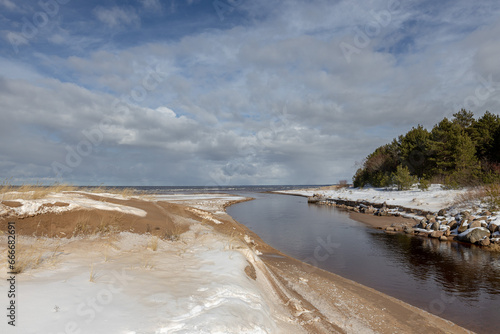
x: 177, y: 263
x: 446, y: 215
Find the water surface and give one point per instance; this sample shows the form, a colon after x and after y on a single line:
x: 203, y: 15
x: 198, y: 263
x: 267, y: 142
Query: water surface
x: 454, y: 281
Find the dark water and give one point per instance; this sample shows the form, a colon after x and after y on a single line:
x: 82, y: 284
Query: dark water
x: 453, y: 281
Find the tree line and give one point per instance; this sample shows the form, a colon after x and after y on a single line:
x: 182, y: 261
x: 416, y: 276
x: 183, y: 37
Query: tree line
x: 463, y: 151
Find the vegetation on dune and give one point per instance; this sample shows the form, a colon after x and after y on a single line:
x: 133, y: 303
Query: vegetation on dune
x: 460, y: 152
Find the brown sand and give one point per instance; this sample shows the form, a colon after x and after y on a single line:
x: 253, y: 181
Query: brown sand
x: 320, y: 301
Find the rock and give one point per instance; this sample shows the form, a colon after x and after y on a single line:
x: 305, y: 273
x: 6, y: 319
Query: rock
x: 486, y: 213
x: 390, y: 229
x: 422, y: 224
x: 436, y: 234
x: 432, y: 220
x: 453, y: 224
x: 493, y: 227
x: 442, y: 212
x: 428, y: 227
x: 473, y: 235
x: 447, y: 233
x: 409, y: 230
x: 485, y: 242
x: 443, y: 238
x: 463, y: 227
x: 429, y: 217
x: 474, y: 224
x: 435, y: 226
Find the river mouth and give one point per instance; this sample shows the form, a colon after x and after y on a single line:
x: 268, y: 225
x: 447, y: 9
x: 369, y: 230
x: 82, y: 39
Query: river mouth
x: 454, y: 281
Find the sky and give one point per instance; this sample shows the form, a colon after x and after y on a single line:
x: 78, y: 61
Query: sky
x: 231, y: 92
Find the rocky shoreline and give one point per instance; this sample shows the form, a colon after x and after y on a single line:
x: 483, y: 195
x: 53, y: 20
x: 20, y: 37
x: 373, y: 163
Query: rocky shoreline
x: 479, y: 227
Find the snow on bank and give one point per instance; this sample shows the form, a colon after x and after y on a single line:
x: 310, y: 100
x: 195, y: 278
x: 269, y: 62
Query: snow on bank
x: 433, y: 199
x: 73, y: 200
x: 208, y: 202
x: 120, y: 285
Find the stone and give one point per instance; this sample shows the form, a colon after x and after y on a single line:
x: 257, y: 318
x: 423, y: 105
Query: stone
x: 453, y: 224
x: 435, y: 226
x: 422, y: 224
x: 436, y: 234
x: 493, y: 227
x: 442, y: 212
x: 473, y: 235
x: 463, y: 227
x: 475, y: 223
x: 485, y: 242
x: 429, y: 217
x: 443, y: 238
x: 487, y: 213
x: 390, y: 229
x: 432, y: 220
x: 409, y: 230
x: 447, y: 233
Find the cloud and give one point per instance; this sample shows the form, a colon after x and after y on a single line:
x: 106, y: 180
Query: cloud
x: 8, y: 4
x: 151, y: 5
x: 270, y: 99
x: 117, y: 16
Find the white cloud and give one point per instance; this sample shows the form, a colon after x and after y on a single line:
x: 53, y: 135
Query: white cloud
x: 8, y: 4
x: 117, y: 16
x: 151, y: 4
x: 270, y: 102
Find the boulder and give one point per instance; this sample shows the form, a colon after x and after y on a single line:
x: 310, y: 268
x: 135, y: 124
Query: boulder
x: 453, y: 224
x: 409, y: 230
x: 429, y: 217
x: 422, y: 224
x: 443, y: 238
x: 474, y: 224
x: 442, y: 212
x: 485, y: 242
x: 463, y: 227
x: 473, y: 235
x: 493, y: 227
x: 447, y: 233
x: 436, y: 234
x: 435, y: 226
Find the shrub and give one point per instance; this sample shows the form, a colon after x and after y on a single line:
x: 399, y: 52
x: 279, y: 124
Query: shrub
x: 403, y: 179
x: 424, y: 184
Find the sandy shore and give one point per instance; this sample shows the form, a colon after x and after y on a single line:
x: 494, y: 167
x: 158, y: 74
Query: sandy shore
x: 277, y: 294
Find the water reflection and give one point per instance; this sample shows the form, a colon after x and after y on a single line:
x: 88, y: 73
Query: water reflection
x: 464, y: 270
x: 455, y: 281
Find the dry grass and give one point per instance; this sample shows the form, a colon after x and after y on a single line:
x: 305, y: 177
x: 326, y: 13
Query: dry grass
x: 124, y: 192
x: 34, y: 255
x: 31, y: 191
x: 92, y: 275
x: 153, y: 244
x: 83, y: 224
x: 488, y: 195
x: 174, y: 233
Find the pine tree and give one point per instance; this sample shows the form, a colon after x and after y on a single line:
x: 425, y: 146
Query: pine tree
x: 403, y: 179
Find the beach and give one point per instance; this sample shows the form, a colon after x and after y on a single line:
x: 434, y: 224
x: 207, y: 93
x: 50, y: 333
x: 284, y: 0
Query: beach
x: 109, y: 263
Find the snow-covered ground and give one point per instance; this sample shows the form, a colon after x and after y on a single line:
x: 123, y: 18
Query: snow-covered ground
x: 433, y: 199
x: 130, y: 283
x: 120, y: 285
x: 74, y: 200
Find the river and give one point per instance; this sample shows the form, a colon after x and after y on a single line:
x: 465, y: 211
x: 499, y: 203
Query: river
x: 457, y: 282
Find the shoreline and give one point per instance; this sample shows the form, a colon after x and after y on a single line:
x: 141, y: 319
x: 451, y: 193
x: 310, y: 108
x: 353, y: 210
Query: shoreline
x: 312, y: 299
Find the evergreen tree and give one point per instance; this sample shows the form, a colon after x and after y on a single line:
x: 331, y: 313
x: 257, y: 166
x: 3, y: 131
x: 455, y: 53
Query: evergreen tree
x: 403, y: 179
x: 413, y: 150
